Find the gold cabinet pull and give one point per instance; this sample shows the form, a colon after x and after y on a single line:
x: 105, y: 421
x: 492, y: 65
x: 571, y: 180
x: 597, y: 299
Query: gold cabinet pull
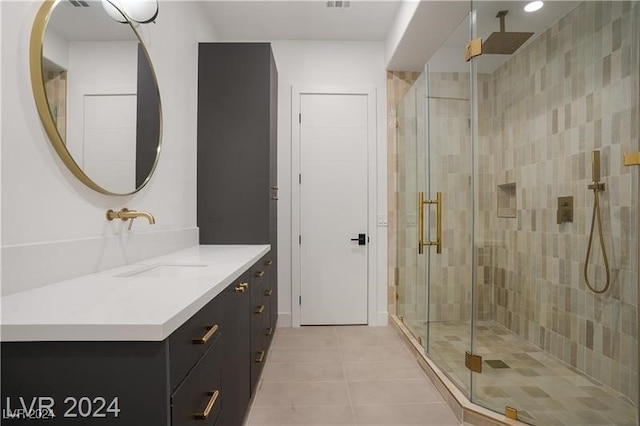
x: 240, y: 288
x: 209, y: 407
x: 209, y: 334
x: 244, y: 285
x: 260, y: 356
x: 268, y: 262
x: 268, y: 292
x: 269, y: 331
x: 274, y: 198
x: 438, y: 241
x: 259, y: 309
x: 260, y: 274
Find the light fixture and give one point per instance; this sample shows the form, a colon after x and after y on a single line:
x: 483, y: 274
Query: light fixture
x: 338, y: 4
x: 533, y: 6
x: 142, y: 11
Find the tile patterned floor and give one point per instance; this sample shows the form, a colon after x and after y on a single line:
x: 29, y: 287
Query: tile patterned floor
x: 543, y: 389
x: 345, y: 375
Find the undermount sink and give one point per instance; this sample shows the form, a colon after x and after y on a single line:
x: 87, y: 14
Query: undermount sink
x: 167, y: 271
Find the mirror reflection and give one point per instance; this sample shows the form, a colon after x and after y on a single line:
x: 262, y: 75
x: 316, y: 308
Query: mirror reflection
x: 102, y: 95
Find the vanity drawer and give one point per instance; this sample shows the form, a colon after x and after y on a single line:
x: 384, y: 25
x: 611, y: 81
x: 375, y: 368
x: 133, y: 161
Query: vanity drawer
x: 189, y: 342
x: 198, y: 399
x: 260, y: 316
x: 268, y: 330
x: 258, y: 357
x: 259, y: 277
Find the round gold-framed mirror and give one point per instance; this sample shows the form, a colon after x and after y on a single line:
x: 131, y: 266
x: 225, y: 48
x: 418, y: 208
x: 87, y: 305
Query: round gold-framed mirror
x: 97, y: 95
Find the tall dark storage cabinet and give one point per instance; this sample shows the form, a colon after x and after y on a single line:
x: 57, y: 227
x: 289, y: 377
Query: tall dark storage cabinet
x: 237, y: 180
x: 238, y: 194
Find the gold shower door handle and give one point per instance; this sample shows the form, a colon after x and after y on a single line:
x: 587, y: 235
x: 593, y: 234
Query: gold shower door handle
x: 421, y: 241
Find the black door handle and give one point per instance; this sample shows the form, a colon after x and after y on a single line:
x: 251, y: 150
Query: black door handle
x: 362, y: 239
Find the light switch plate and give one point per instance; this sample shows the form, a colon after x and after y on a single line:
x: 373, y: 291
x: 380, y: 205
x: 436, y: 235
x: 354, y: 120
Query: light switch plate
x: 382, y: 220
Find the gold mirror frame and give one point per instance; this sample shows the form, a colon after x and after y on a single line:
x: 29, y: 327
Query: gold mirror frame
x: 36, y: 44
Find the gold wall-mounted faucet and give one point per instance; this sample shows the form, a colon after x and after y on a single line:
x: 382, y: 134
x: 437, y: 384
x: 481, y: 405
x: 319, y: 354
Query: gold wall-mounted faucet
x: 125, y: 214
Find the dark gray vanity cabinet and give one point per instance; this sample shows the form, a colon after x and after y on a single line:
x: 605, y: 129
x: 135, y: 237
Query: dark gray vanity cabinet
x: 237, y: 144
x: 199, y: 375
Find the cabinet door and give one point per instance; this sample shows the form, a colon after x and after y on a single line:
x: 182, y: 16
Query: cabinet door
x: 88, y: 383
x: 234, y: 132
x: 236, y: 360
x: 199, y: 398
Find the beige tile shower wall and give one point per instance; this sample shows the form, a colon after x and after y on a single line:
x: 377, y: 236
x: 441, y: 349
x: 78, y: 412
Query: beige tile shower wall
x: 486, y: 240
x: 398, y: 83
x: 572, y: 90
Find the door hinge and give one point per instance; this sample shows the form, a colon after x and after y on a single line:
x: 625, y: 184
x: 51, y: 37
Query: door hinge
x: 299, y: 117
x: 473, y: 362
x: 299, y: 300
x: 632, y: 159
x: 299, y: 239
x: 299, y: 177
x: 473, y: 49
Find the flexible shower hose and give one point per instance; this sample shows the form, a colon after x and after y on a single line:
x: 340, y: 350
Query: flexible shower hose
x: 596, y: 212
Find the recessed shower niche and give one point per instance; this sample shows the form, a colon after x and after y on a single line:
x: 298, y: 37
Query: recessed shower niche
x: 507, y: 200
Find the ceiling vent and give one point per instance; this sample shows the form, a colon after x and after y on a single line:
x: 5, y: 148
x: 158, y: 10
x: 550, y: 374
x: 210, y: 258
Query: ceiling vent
x: 338, y: 4
x: 79, y: 3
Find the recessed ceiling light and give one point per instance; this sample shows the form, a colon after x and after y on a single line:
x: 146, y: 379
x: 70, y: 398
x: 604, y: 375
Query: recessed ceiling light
x: 533, y: 6
x: 338, y: 4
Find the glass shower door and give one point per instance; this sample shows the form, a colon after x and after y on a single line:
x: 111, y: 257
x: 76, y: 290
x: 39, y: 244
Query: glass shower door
x: 448, y: 208
x: 411, y: 304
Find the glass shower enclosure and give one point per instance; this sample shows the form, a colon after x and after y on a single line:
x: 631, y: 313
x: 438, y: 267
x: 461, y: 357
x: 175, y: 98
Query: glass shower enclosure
x: 514, y: 199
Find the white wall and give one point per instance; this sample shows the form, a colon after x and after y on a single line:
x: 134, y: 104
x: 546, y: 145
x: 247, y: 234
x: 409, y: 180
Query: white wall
x: 53, y: 227
x: 400, y: 24
x: 321, y: 65
x: 56, y: 49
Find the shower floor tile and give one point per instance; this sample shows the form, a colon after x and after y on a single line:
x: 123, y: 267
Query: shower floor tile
x: 544, y: 390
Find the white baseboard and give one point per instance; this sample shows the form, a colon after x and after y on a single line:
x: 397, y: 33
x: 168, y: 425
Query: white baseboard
x: 29, y: 266
x: 382, y: 319
x: 284, y: 319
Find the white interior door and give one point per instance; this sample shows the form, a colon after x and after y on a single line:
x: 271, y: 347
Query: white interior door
x: 333, y: 208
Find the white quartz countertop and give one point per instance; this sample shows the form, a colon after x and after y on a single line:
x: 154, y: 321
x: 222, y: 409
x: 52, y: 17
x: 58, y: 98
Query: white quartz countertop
x: 145, y: 301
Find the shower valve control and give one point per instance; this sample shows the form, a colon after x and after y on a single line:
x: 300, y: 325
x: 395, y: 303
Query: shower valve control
x: 565, y: 209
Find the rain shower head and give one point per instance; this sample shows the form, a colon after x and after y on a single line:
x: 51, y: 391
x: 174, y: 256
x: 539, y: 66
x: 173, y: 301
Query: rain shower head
x: 503, y: 42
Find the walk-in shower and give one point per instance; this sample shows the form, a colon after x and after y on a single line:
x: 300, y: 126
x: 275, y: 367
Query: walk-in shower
x: 491, y: 280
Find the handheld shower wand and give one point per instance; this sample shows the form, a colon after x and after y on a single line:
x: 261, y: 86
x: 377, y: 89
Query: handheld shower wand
x: 597, y: 187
